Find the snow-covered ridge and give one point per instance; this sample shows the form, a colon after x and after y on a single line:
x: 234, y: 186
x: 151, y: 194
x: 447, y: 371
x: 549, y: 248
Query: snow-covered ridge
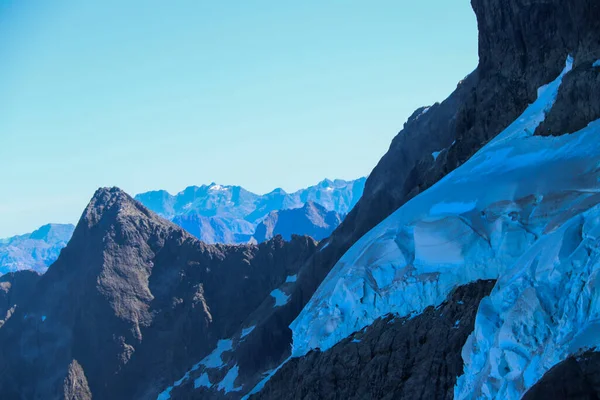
x: 474, y: 224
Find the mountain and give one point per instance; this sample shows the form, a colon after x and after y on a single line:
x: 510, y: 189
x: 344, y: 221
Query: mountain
x: 36, y: 250
x: 312, y: 219
x: 133, y: 298
x: 468, y: 269
x: 230, y: 214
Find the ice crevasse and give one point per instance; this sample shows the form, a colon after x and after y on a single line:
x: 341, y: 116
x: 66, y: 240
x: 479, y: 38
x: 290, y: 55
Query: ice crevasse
x: 484, y: 220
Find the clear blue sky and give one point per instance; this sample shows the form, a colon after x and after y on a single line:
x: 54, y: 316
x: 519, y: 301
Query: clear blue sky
x: 166, y: 94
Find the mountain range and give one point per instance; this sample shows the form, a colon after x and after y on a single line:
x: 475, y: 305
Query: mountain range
x: 468, y: 268
x: 214, y: 214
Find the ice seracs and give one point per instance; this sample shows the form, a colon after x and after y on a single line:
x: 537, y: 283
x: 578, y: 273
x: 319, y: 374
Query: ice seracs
x: 543, y: 310
x: 473, y: 224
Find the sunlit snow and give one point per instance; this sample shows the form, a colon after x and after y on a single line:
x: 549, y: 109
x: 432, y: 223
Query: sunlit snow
x: 227, y: 384
x: 290, y: 279
x: 213, y: 360
x: 280, y: 297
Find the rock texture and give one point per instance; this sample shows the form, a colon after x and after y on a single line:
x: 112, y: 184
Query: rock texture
x: 577, y: 378
x: 135, y: 300
x: 36, y: 250
x: 312, y: 219
x: 394, y: 358
x: 16, y: 288
x: 76, y: 386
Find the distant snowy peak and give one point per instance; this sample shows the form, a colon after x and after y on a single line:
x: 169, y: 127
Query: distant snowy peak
x: 218, y: 213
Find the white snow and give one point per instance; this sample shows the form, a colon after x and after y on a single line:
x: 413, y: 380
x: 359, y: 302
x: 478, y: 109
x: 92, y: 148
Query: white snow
x: 291, y: 279
x: 202, y: 381
x: 43, y: 318
x: 227, y: 384
x: 215, y: 187
x: 473, y: 224
x: 280, y: 297
x: 325, y: 246
x: 213, y: 360
x: 246, y: 331
x: 425, y: 110
x: 435, y: 154
x: 596, y: 64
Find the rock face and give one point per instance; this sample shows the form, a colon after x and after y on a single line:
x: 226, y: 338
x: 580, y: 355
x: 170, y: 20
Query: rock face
x: 394, y: 358
x: 229, y: 214
x: 15, y: 289
x: 134, y: 298
x: 575, y: 378
x: 312, y: 219
x: 36, y: 250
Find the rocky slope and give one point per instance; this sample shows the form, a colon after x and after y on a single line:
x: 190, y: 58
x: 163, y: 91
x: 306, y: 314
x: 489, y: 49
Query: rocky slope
x: 133, y: 298
x: 312, y: 219
x: 36, y: 250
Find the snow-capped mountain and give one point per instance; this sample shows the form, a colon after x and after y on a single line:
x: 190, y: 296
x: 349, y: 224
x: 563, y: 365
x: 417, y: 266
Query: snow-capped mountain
x: 36, y: 250
x: 230, y: 214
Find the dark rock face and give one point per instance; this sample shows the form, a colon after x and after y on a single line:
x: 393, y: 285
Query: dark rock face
x: 576, y: 378
x: 16, y: 288
x: 312, y: 219
x: 394, y: 358
x: 135, y: 300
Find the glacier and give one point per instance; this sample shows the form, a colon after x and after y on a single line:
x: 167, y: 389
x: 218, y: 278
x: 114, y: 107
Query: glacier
x: 473, y: 224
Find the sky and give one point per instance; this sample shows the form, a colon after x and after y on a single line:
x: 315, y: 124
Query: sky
x: 148, y: 94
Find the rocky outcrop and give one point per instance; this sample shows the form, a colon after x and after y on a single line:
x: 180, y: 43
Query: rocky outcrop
x: 576, y: 378
x: 394, y: 358
x: 75, y: 386
x: 134, y: 298
x: 311, y: 219
x: 16, y: 288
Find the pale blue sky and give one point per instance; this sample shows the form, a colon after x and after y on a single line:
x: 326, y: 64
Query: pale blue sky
x: 166, y: 94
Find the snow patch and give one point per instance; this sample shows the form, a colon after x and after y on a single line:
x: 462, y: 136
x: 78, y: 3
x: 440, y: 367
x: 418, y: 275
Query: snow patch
x: 435, y: 154
x: 202, y: 381
x: 43, y: 318
x: 213, y: 360
x: 596, y: 64
x: 280, y: 297
x: 227, y: 384
x: 291, y: 279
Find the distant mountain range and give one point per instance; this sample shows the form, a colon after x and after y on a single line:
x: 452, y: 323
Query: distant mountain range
x: 36, y: 250
x: 230, y: 214
x: 214, y: 214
